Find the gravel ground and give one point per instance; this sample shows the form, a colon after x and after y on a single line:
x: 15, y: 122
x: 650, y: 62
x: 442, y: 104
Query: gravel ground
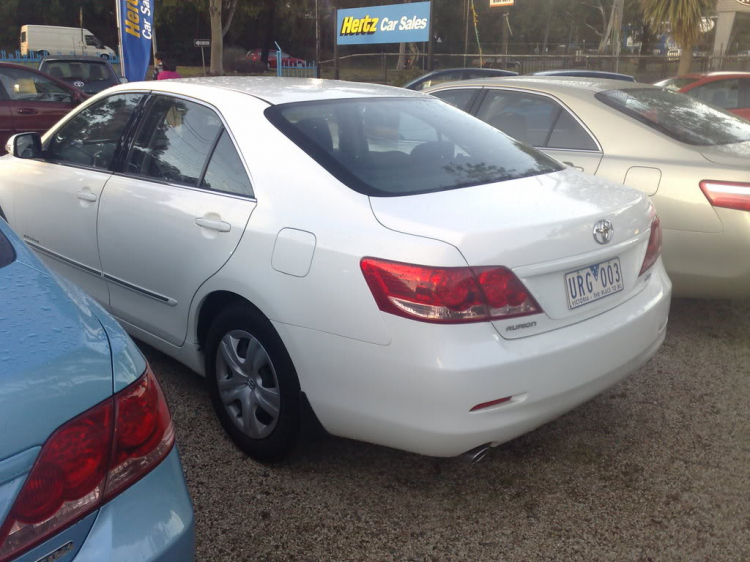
x: 657, y: 468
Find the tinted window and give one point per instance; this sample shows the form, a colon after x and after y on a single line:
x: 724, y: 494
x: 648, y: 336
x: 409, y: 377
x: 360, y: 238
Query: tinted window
x: 679, y: 116
x: 524, y: 117
x: 79, y: 71
x: 91, y: 137
x: 721, y: 93
x: 21, y: 85
x: 225, y: 172
x: 391, y: 147
x: 7, y: 253
x: 174, y: 141
x: 568, y: 134
x: 457, y: 97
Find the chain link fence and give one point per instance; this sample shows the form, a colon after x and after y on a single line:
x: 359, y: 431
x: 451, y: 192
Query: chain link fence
x: 382, y: 67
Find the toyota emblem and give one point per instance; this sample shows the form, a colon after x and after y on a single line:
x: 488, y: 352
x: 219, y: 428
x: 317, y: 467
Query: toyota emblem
x: 78, y: 84
x: 603, y: 232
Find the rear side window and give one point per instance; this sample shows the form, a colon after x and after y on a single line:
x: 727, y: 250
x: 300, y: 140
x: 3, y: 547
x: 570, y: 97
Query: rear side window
x: 7, y: 253
x: 678, y: 116
x: 568, y: 134
x: 174, y: 141
x: 404, y: 146
x: 457, y: 97
x: 721, y: 93
x: 225, y: 171
x: 91, y: 137
x: 525, y: 117
x: 22, y: 85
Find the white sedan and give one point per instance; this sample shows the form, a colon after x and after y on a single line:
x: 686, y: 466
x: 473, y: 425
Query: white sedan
x: 413, y: 275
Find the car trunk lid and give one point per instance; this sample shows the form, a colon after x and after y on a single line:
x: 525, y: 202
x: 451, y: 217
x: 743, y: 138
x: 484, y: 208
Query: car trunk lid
x: 542, y: 228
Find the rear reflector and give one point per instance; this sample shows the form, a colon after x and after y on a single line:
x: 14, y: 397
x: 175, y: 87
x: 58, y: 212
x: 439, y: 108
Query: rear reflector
x: 88, y: 461
x: 447, y: 295
x: 729, y: 195
x: 484, y: 405
x: 653, y: 251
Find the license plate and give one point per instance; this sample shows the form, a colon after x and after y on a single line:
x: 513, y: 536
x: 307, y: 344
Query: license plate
x: 594, y: 282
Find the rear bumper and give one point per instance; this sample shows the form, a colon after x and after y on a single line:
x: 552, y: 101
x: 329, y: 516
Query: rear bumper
x: 711, y: 265
x: 416, y: 393
x: 150, y: 522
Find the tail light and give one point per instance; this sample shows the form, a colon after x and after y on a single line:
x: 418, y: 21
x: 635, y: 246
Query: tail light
x: 448, y: 295
x: 729, y: 195
x: 653, y: 251
x: 88, y: 461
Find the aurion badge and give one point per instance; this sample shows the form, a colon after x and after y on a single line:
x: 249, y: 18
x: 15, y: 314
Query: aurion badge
x: 603, y: 231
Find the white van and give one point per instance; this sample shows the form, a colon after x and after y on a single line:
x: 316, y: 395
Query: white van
x: 52, y: 40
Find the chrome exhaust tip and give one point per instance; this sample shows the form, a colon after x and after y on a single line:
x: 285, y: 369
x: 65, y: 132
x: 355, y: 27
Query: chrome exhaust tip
x: 477, y: 454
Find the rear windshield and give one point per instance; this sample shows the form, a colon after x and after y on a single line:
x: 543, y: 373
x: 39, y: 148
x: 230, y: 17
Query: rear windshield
x: 676, y: 83
x: 391, y: 147
x: 71, y: 71
x: 7, y: 253
x: 679, y: 116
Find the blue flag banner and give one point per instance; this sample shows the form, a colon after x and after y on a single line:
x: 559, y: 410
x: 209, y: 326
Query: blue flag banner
x: 135, y: 21
x: 399, y: 23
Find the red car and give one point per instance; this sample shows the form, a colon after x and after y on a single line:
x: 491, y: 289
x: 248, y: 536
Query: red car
x: 32, y: 101
x: 286, y: 59
x: 728, y: 90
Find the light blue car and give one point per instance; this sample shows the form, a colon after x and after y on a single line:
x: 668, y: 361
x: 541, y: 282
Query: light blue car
x: 88, y: 466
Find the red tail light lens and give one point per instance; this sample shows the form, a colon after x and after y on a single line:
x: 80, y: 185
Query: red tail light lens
x: 729, y: 195
x: 87, y: 461
x: 653, y: 251
x: 448, y: 295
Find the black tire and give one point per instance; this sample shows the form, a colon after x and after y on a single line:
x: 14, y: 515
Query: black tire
x: 242, y: 318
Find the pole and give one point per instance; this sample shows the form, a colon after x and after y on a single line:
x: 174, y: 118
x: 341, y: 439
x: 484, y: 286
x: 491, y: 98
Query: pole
x: 119, y: 37
x: 466, y: 36
x: 83, y: 44
x: 203, y: 57
x: 336, y: 44
x: 506, y: 15
x: 317, y: 36
x: 430, y: 43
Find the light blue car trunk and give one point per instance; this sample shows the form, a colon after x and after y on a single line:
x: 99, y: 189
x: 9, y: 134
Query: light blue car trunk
x: 55, y: 363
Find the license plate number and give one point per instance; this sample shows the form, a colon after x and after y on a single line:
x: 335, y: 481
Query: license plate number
x: 594, y: 282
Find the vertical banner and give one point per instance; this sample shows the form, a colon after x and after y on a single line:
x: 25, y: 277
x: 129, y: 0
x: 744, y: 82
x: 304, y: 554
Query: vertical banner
x: 135, y: 21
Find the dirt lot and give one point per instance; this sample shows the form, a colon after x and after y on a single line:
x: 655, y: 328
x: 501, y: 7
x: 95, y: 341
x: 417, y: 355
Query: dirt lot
x: 657, y: 468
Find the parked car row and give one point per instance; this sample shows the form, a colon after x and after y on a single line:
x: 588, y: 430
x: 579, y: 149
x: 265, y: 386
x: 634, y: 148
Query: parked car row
x: 432, y: 278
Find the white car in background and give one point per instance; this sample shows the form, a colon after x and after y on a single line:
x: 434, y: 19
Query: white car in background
x: 421, y: 279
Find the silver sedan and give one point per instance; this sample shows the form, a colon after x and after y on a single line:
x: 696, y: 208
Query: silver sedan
x: 691, y: 158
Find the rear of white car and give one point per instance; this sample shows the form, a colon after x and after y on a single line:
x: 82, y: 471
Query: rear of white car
x: 505, y: 303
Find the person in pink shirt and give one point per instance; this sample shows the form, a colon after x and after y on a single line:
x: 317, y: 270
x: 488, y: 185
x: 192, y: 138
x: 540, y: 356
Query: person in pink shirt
x: 170, y: 70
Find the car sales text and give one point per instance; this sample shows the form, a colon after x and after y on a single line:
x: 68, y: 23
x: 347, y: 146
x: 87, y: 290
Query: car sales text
x: 368, y: 25
x: 133, y: 19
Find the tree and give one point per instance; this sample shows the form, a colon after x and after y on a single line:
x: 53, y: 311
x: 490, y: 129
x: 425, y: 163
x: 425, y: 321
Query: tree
x: 683, y: 19
x: 217, y: 37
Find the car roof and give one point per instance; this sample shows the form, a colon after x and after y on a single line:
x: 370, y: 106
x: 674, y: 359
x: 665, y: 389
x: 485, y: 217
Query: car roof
x: 567, y: 85
x: 275, y: 90
x: 77, y: 58
x: 585, y: 73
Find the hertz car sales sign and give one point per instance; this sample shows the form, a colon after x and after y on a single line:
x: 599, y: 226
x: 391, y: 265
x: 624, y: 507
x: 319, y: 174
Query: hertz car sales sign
x: 399, y: 23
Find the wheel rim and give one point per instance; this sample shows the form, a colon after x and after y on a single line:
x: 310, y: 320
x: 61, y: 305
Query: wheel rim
x: 248, y: 386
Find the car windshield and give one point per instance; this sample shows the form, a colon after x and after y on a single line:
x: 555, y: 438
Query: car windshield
x: 676, y: 83
x: 679, y: 116
x: 72, y: 71
x: 391, y: 147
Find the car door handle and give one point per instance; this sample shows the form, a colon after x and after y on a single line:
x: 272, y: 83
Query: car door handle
x: 27, y: 111
x: 86, y: 196
x: 221, y: 226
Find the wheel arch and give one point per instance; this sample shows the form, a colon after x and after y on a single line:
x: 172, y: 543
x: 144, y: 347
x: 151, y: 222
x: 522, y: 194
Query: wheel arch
x: 211, y: 306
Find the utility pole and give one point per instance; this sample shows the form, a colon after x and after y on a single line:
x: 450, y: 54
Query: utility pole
x: 546, y: 27
x: 317, y: 36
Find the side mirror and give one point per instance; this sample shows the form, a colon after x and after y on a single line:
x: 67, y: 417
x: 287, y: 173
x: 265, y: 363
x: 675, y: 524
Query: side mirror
x: 25, y: 145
